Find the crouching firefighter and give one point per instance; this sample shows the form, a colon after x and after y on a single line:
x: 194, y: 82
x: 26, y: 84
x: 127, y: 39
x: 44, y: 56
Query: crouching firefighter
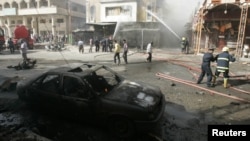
x: 205, y: 67
x: 223, y: 60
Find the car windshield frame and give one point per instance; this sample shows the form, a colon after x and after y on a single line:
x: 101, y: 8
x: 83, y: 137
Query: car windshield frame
x: 102, y: 80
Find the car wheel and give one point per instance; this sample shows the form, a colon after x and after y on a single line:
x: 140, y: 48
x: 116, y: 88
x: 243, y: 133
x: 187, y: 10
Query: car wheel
x: 121, y: 127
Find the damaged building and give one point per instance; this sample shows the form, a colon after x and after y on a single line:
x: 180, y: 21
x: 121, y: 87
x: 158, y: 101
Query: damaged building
x: 223, y: 22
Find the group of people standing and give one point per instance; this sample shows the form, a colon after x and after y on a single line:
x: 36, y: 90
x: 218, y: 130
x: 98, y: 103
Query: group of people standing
x: 108, y: 45
x: 223, y: 59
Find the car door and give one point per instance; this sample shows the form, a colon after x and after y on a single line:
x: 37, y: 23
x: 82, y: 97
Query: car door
x: 76, y: 98
x: 45, y: 92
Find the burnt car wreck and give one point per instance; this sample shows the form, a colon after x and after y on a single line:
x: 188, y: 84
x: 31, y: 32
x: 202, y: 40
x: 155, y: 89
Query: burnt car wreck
x: 95, y: 93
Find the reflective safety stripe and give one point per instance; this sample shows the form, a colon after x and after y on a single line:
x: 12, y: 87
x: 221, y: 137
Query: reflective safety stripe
x: 224, y: 68
x: 223, y: 59
x: 221, y: 70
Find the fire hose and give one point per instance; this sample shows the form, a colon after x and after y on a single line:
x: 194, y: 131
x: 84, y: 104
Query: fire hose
x: 199, y: 87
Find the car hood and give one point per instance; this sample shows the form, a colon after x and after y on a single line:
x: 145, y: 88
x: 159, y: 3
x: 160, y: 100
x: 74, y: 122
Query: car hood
x: 136, y: 93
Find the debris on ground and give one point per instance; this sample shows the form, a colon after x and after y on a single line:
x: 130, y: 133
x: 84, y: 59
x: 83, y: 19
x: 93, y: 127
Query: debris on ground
x: 25, y: 64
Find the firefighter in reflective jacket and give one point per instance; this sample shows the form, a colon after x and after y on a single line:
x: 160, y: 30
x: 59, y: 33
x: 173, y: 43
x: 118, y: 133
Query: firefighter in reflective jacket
x: 223, y: 60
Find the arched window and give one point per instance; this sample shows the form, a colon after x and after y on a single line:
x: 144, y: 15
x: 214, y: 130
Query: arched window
x: 44, y: 3
x: 1, y: 32
x: 33, y: 4
x: 14, y: 5
x: 6, y: 5
x: 23, y: 5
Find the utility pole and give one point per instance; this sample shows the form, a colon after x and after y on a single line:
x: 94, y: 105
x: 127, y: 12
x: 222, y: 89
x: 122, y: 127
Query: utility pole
x: 69, y: 21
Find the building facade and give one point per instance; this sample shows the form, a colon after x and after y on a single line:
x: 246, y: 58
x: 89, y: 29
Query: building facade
x: 128, y: 19
x: 120, y: 10
x: 222, y: 23
x: 56, y: 17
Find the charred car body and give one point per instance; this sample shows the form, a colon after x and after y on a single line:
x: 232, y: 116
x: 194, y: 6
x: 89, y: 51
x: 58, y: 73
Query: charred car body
x: 96, y: 93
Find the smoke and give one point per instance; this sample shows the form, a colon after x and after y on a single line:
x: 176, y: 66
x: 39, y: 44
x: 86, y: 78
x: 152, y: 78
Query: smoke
x: 177, y: 14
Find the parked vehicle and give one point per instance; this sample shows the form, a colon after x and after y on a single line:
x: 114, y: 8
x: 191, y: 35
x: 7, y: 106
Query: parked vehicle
x: 22, y: 32
x: 2, y: 39
x: 95, y: 93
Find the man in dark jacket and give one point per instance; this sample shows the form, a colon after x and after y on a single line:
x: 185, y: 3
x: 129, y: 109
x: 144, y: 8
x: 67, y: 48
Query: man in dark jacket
x: 11, y: 45
x: 97, y: 45
x: 223, y: 60
x: 205, y: 67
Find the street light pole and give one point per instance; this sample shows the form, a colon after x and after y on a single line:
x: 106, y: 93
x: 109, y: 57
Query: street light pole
x: 69, y: 21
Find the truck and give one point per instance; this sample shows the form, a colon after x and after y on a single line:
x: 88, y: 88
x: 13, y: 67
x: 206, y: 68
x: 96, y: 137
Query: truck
x: 2, y: 39
x: 22, y: 32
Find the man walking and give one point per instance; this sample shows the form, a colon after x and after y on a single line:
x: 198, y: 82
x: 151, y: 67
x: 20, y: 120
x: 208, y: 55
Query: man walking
x: 97, y: 45
x: 125, y: 51
x: 110, y: 44
x: 205, y: 67
x: 81, y: 46
x: 223, y: 60
x: 90, y: 44
x: 11, y: 45
x: 149, y: 51
x: 23, y: 49
x: 117, y: 52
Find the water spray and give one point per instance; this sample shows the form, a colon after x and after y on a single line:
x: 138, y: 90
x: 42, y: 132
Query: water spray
x: 161, y: 21
x: 116, y: 28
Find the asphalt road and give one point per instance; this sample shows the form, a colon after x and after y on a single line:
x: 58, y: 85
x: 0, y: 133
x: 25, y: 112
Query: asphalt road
x: 188, y: 110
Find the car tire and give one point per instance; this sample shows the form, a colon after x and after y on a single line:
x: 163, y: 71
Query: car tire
x: 121, y: 127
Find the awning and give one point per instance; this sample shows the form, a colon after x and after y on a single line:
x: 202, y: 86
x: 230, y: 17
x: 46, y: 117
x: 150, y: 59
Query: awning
x: 101, y: 24
x: 88, y: 28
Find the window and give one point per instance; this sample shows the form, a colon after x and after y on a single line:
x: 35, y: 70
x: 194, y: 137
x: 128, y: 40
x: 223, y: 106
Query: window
x: 23, y: 5
x: 74, y: 87
x: 6, y: 5
x: 33, y: 4
x: 113, y: 11
x: 149, y: 16
x: 50, y: 83
x: 102, y: 80
x: 44, y: 3
x: 60, y: 21
x: 92, y: 13
x: 19, y: 21
x: 15, y: 5
x: 42, y: 21
x: 1, y: 32
x: 13, y: 22
x: 74, y: 8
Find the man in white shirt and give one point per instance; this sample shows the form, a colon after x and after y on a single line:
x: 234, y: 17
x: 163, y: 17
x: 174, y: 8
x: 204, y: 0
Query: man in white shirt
x: 23, y: 49
x: 149, y: 51
x: 81, y: 47
x: 125, y: 51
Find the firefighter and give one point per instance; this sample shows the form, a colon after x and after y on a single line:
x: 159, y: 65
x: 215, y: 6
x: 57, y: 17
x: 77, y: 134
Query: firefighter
x: 205, y: 67
x: 184, y: 45
x: 223, y: 60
